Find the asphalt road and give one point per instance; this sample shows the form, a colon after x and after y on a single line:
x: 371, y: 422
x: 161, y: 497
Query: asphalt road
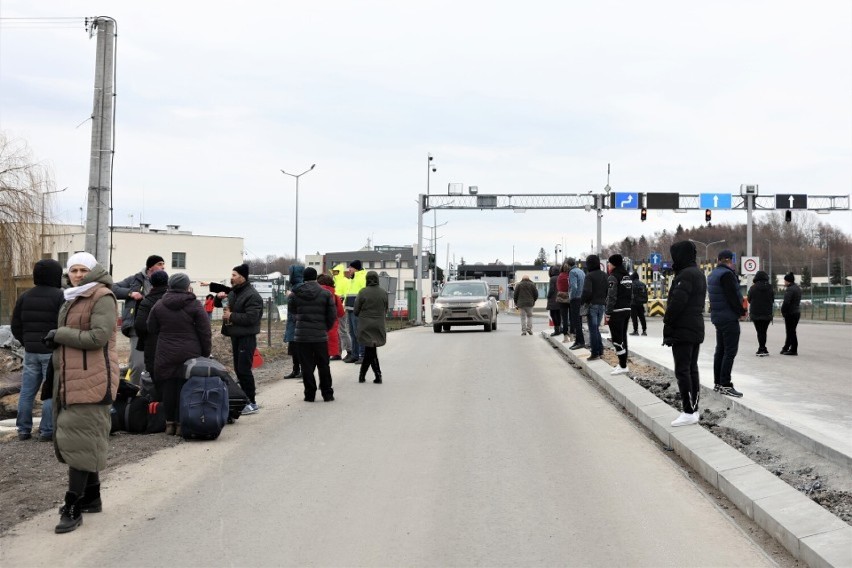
x: 480, y: 449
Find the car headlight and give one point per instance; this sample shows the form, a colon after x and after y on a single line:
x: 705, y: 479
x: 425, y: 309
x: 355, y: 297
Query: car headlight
x: 481, y: 305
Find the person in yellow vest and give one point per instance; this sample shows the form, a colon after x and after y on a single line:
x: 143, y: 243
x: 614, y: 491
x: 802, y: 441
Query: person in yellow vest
x: 341, y: 286
x: 358, y: 281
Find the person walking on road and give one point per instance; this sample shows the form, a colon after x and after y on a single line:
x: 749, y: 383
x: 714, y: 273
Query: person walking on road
x: 35, y: 314
x: 132, y: 289
x: 525, y: 297
x: 761, y: 302
x: 637, y: 306
x: 85, y: 384
x: 314, y: 312
x: 791, y: 312
x: 683, y: 327
x: 726, y: 311
x: 241, y: 322
x: 371, y: 306
x: 618, y: 299
x: 182, y: 329
x: 594, y: 294
x: 576, y: 279
x: 552, y: 305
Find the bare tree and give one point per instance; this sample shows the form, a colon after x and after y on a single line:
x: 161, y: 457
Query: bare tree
x: 22, y: 183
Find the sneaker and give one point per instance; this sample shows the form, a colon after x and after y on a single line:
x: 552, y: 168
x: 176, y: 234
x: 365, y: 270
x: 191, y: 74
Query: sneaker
x: 567, y: 339
x: 555, y: 333
x: 24, y: 436
x: 645, y: 333
x: 716, y: 387
x: 334, y: 358
x: 793, y: 353
x: 576, y: 346
x: 730, y: 391
x: 255, y: 405
x: 45, y: 438
x: 634, y: 333
x: 619, y: 370
x: 523, y: 333
x: 685, y: 419
x: 249, y: 409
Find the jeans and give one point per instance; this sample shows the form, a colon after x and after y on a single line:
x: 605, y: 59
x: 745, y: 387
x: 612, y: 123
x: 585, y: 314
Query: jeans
x: 34, y: 372
x: 343, y: 334
x: 686, y: 371
x: 596, y: 315
x: 357, y: 349
x: 526, y: 319
x: 727, y: 344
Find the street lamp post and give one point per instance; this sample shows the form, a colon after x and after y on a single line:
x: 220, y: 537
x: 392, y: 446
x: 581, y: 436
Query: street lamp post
x: 707, y: 246
x: 296, y: 246
x: 556, y: 250
x: 42, y: 214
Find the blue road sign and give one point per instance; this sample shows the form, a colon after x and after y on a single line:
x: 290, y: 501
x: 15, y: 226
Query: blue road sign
x: 715, y: 200
x: 656, y: 258
x: 626, y: 200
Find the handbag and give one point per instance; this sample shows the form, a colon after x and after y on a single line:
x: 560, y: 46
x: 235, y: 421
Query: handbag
x: 562, y: 297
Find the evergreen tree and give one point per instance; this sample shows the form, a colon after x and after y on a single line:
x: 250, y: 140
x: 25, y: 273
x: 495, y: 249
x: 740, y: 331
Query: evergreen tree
x: 806, y: 277
x: 541, y: 259
x: 836, y: 272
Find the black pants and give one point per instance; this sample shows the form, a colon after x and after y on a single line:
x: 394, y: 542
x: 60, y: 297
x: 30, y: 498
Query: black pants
x: 243, y: 351
x: 78, y: 480
x: 371, y: 359
x: 727, y: 345
x: 564, y: 315
x: 760, y: 327
x: 686, y: 371
x: 618, y: 324
x: 168, y: 392
x: 576, y: 321
x: 315, y: 356
x: 294, y: 353
x: 791, y: 341
x: 556, y: 316
x: 638, y: 312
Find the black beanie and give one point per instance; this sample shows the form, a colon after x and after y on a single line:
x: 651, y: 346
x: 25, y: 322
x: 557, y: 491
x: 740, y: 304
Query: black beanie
x: 159, y: 278
x: 152, y: 260
x: 242, y: 270
x: 356, y: 264
x: 616, y: 260
x: 309, y: 274
x: 789, y: 277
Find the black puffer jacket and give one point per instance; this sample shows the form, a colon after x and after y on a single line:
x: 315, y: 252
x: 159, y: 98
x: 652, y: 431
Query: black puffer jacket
x: 246, y: 311
x: 314, y: 312
x: 37, y: 310
x: 595, y: 284
x: 761, y: 298
x: 147, y: 341
x: 183, y: 332
x: 684, y: 319
x: 619, y: 294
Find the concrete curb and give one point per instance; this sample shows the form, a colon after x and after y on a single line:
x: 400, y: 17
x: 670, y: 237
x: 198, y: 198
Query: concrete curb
x: 809, y: 532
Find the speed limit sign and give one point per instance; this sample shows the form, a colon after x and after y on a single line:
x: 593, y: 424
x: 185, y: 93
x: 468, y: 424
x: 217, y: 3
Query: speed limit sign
x: 750, y: 264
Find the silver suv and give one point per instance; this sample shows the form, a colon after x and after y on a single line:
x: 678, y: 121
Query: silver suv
x: 464, y: 302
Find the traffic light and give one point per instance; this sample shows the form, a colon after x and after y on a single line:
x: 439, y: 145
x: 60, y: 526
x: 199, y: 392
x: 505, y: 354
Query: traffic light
x: 788, y: 215
x: 708, y: 215
x: 431, y: 261
x: 644, y: 214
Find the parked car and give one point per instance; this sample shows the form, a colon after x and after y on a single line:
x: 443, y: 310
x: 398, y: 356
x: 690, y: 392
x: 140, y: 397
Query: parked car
x: 464, y: 302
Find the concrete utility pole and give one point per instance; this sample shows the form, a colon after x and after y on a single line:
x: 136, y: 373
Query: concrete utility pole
x: 418, y: 260
x: 100, y: 163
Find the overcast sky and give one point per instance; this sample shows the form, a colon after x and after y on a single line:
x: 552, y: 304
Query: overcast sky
x: 215, y: 98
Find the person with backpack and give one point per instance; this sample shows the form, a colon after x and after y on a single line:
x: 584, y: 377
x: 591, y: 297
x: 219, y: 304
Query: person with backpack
x: 637, y: 306
x: 183, y: 332
x: 761, y: 303
x: 35, y: 314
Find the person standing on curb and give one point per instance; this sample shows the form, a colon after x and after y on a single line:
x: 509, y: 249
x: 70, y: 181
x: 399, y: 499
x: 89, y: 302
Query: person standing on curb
x: 726, y: 311
x: 637, y: 306
x: 791, y: 312
x: 371, y: 308
x: 683, y: 327
x: 552, y: 306
x: 576, y: 279
x: 35, y: 314
x: 314, y: 313
x: 618, y: 298
x: 525, y: 297
x: 241, y: 322
x: 761, y: 302
x: 132, y: 289
x: 563, y: 300
x: 594, y: 294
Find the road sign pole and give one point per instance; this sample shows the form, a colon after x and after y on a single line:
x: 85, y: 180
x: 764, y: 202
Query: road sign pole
x: 750, y: 207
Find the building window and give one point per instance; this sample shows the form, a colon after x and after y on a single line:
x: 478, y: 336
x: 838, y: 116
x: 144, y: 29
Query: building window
x: 179, y: 260
x: 62, y: 258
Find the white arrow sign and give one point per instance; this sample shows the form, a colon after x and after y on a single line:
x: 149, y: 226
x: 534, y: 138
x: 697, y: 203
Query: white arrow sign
x: 715, y: 201
x: 791, y: 201
x: 630, y: 200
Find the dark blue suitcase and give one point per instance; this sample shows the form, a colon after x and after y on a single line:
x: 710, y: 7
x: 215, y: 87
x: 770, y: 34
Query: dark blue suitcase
x: 203, y: 408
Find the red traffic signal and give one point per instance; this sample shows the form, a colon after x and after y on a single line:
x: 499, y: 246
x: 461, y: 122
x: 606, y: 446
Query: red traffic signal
x: 643, y: 214
x: 707, y: 215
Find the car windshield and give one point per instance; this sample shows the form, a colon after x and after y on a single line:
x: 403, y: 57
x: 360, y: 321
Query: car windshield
x: 457, y: 289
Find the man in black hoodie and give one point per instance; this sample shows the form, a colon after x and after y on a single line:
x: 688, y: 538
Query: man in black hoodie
x: 315, y: 313
x: 619, y: 296
x: 683, y: 326
x: 36, y: 313
x: 594, y: 294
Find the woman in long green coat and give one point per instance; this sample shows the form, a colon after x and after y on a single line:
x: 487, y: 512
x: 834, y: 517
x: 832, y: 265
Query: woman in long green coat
x: 85, y: 384
x: 371, y: 306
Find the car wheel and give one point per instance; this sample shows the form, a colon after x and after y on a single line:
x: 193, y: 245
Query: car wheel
x: 494, y: 325
x: 436, y: 328
x: 487, y: 326
x: 446, y: 327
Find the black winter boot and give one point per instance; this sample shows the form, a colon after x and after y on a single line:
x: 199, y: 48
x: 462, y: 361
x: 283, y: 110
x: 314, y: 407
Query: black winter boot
x: 72, y: 516
x: 91, y: 501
